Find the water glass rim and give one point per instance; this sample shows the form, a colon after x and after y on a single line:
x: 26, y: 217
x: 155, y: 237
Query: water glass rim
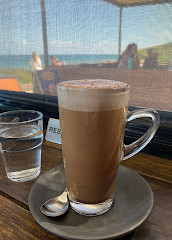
x: 22, y: 122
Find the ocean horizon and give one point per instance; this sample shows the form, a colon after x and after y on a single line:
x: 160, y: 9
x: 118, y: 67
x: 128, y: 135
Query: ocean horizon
x: 22, y: 61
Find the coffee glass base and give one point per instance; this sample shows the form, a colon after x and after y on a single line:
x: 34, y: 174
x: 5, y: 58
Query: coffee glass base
x: 91, y: 209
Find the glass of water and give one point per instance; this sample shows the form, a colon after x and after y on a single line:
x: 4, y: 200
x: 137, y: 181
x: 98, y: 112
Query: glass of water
x: 21, y: 136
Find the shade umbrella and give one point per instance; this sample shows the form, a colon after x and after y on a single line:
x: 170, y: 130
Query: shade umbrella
x: 131, y: 3
x: 44, y: 31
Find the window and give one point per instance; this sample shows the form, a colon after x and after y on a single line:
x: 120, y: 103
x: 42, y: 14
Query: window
x: 85, y: 39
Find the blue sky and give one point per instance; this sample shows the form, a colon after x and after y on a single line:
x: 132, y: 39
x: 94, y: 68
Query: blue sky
x: 80, y: 26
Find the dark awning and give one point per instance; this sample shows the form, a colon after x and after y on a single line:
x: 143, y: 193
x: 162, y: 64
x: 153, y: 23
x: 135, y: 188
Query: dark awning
x: 129, y: 3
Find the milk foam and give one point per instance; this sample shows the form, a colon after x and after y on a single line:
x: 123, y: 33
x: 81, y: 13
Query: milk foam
x: 93, y: 95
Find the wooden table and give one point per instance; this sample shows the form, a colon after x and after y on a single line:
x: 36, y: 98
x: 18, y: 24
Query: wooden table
x: 16, y: 222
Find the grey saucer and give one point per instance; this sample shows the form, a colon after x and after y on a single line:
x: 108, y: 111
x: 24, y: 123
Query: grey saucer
x: 132, y: 204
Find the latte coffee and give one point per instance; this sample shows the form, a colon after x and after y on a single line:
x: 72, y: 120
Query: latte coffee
x: 92, y: 119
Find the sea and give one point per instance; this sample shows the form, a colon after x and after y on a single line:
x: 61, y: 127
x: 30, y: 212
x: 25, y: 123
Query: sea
x: 22, y: 61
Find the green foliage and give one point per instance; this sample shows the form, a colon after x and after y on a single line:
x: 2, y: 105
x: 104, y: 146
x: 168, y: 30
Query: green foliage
x: 164, y: 51
x: 24, y: 75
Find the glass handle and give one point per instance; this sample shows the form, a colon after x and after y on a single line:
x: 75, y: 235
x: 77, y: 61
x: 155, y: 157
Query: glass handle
x: 135, y: 147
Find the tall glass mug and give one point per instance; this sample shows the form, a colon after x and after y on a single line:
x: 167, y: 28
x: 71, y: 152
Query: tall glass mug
x: 93, y: 114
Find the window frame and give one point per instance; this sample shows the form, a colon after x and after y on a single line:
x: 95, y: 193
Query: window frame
x: 160, y: 145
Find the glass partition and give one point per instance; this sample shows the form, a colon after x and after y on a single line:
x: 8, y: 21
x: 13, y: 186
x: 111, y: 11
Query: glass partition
x: 83, y: 42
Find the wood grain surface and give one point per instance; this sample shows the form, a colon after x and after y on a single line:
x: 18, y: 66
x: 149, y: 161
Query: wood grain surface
x: 17, y: 223
x: 151, y: 166
x: 20, y: 191
x: 158, y: 226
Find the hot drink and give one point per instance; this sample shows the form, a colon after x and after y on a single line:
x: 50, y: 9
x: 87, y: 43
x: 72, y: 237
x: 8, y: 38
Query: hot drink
x: 92, y: 136
x: 92, y: 118
x: 91, y: 152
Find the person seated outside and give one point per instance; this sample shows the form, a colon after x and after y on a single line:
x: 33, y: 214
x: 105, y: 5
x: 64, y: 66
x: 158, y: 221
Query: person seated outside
x: 55, y: 62
x: 129, y: 59
x: 64, y: 63
x: 35, y: 63
x: 151, y: 61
